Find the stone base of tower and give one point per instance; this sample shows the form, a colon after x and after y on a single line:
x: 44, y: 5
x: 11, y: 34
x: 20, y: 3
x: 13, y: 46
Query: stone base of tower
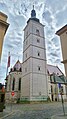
x: 34, y: 99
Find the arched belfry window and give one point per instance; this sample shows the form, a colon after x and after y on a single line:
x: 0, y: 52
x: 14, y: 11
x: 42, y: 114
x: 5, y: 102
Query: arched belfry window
x: 13, y: 85
x: 19, y: 86
x: 37, y: 32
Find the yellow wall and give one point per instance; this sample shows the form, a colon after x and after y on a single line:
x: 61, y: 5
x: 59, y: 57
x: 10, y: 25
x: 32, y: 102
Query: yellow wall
x: 3, y: 17
x: 3, y: 27
x: 63, y: 38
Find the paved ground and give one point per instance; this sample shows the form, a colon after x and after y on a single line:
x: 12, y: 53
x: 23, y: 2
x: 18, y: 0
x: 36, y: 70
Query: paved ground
x: 32, y: 111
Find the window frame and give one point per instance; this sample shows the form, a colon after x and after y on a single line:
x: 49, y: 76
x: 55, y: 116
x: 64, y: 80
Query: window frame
x: 39, y: 68
x: 13, y: 84
x: 19, y: 85
x: 38, y: 32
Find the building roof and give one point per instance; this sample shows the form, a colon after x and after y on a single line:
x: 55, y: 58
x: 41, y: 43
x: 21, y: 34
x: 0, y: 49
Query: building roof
x: 5, y: 24
x: 62, y: 30
x: 33, y: 16
x: 17, y: 66
x: 56, y: 75
x: 50, y: 68
x: 1, y: 13
x: 53, y: 69
x: 58, y: 79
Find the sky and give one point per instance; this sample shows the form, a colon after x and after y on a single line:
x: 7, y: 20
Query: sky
x: 52, y: 13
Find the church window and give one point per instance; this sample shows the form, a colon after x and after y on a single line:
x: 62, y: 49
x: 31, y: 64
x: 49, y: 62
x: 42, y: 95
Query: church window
x: 14, y: 68
x: 51, y: 89
x: 19, y: 87
x: 38, y: 68
x: 37, y: 32
x: 48, y: 72
x: 62, y: 89
x: 38, y: 53
x: 13, y: 85
x: 55, y: 90
x: 26, y: 55
x: 38, y: 40
x: 25, y: 69
x: 57, y: 73
x: 20, y: 69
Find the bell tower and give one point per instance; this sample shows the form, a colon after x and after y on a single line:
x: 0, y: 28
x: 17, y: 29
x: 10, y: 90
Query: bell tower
x: 34, y: 80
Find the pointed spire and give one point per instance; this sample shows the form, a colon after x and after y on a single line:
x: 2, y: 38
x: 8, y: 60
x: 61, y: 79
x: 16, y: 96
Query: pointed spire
x: 33, y: 7
x: 33, y: 13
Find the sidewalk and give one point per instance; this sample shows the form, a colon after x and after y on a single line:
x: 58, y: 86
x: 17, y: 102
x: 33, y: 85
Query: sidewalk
x: 5, y: 114
x: 61, y: 116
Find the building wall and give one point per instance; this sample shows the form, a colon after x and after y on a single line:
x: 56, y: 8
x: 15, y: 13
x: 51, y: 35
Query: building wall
x: 55, y: 91
x: 34, y: 75
x: 3, y: 17
x: 3, y: 28
x: 25, y: 86
x: 33, y: 87
x: 31, y: 28
x: 16, y: 76
x: 63, y: 38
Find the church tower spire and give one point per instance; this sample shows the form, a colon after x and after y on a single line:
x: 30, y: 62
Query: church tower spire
x: 33, y: 13
x: 33, y: 16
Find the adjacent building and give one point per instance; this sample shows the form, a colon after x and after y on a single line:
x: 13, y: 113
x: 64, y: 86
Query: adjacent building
x: 63, y: 38
x: 3, y: 28
x: 13, y: 81
x: 56, y: 83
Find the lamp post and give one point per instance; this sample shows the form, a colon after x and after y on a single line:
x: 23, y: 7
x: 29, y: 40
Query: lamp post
x: 61, y: 91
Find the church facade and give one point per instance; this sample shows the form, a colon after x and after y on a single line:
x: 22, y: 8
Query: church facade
x: 30, y: 81
x: 54, y: 78
x: 34, y: 72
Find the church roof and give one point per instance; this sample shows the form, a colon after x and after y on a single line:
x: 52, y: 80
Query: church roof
x: 50, y: 68
x: 17, y: 66
x: 58, y: 79
x: 56, y: 75
x: 54, y: 69
x: 35, y: 19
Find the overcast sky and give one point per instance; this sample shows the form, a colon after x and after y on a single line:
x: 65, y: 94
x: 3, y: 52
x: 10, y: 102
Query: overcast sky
x: 52, y: 13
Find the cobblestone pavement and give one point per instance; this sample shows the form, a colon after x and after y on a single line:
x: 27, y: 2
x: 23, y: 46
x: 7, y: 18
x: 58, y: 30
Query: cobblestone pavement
x: 34, y: 111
